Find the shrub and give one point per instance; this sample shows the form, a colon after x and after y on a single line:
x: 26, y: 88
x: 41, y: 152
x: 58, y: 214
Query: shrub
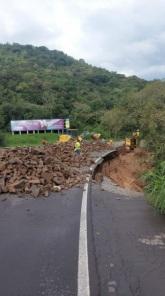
x: 156, y: 187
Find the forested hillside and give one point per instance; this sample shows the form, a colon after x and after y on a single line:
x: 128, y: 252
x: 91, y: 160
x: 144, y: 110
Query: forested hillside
x: 39, y: 83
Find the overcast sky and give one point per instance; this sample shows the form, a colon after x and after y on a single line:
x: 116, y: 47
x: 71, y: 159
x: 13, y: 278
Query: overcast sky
x: 127, y: 36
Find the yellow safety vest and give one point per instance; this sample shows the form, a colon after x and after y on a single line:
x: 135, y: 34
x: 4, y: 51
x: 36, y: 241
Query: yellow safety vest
x: 77, y: 146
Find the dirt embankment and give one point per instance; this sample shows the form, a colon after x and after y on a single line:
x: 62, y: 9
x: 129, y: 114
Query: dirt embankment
x: 126, y: 170
x: 37, y: 171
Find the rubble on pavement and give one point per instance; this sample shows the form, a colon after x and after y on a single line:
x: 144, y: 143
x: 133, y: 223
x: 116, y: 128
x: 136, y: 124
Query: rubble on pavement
x: 40, y: 170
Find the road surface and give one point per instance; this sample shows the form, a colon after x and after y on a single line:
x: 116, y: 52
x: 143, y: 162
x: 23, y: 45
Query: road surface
x: 129, y: 244
x: 39, y: 245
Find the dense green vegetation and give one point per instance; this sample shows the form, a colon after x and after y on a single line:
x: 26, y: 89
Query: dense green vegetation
x: 37, y: 83
x: 156, y: 187
x: 144, y: 109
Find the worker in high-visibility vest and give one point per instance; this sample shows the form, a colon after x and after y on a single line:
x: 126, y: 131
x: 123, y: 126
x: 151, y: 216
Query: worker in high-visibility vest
x: 77, y: 147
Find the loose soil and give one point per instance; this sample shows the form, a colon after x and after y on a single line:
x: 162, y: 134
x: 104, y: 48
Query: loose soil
x: 126, y: 170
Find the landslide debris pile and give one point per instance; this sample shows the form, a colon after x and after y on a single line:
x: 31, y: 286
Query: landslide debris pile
x: 37, y: 171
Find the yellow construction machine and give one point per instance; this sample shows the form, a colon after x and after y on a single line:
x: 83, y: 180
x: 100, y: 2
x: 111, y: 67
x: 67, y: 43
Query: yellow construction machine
x: 131, y: 143
x: 64, y: 138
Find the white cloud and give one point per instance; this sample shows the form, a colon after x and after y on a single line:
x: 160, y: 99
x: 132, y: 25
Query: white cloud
x: 127, y: 36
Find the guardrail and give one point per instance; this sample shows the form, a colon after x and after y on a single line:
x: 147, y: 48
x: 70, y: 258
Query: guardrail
x: 97, y: 167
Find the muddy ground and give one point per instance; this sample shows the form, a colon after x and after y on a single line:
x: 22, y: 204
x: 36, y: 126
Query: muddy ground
x: 127, y: 169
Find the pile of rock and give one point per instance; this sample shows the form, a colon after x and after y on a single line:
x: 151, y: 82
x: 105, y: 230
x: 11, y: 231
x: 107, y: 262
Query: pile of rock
x: 37, y: 171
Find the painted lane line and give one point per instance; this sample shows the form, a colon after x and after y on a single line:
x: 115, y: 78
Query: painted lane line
x: 83, y: 269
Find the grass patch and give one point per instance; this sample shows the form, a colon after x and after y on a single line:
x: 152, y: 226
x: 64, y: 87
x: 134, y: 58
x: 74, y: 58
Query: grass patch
x: 156, y: 187
x: 30, y: 139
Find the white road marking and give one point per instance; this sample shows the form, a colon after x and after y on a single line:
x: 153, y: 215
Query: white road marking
x: 83, y: 269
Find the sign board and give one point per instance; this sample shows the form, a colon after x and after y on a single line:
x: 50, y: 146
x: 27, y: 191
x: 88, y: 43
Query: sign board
x: 37, y: 125
x: 67, y: 123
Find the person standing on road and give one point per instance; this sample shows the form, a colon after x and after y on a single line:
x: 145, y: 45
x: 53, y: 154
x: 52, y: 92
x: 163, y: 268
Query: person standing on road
x: 77, y: 147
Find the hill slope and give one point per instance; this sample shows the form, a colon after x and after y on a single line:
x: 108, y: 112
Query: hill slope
x: 39, y: 83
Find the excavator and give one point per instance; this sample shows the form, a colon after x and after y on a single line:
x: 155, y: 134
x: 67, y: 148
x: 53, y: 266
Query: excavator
x: 131, y: 143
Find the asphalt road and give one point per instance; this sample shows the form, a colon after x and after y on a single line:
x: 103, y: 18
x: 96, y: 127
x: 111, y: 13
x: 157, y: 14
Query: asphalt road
x: 129, y: 245
x: 39, y: 243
